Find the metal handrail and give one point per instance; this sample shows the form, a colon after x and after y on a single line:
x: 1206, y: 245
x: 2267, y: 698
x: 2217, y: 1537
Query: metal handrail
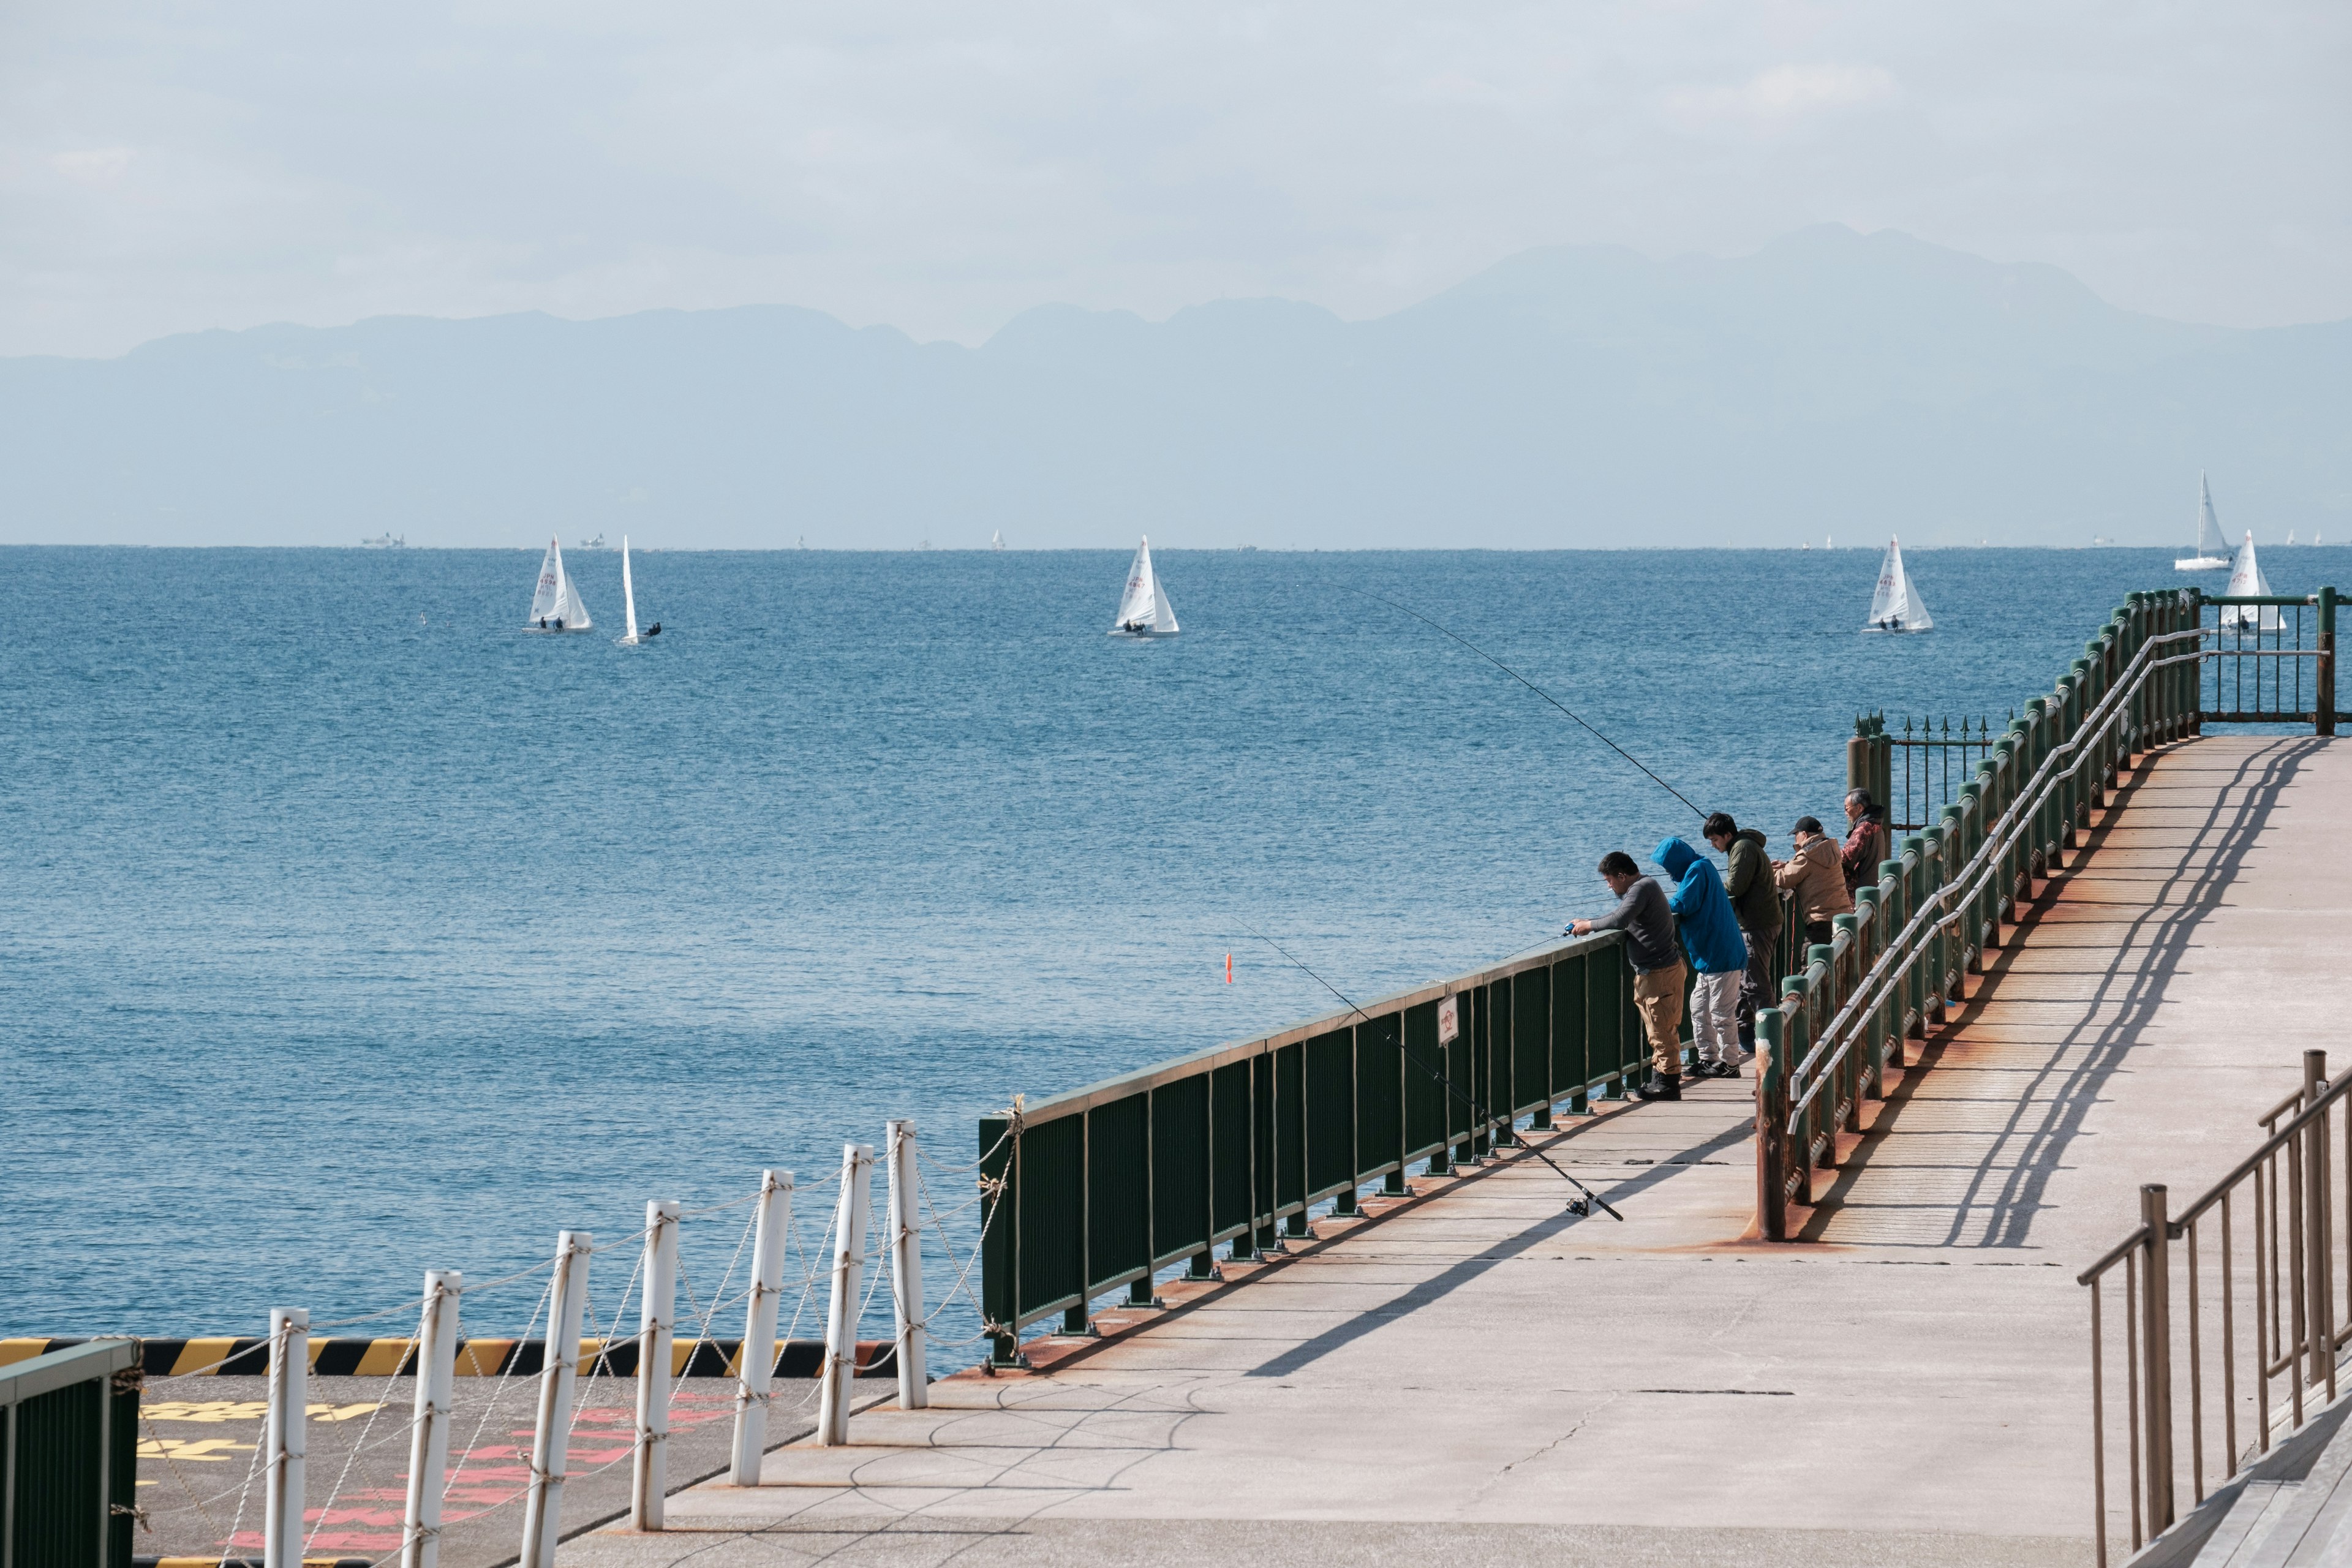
x: 2245, y: 1167
x: 1905, y: 947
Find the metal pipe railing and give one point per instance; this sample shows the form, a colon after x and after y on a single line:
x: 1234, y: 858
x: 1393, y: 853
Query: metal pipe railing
x: 2289, y: 1258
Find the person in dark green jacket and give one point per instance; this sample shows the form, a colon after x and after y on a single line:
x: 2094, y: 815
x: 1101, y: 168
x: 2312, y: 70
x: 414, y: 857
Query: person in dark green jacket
x: 1756, y: 901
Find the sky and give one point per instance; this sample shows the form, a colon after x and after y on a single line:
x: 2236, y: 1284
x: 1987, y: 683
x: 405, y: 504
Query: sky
x: 170, y: 166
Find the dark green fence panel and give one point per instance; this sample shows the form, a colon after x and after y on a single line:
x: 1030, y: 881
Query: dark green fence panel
x: 1602, y: 1009
x: 1118, y: 1192
x: 1495, y: 1013
x: 999, y: 1239
x: 1380, y: 1133
x: 1230, y: 1122
x: 1460, y: 1066
x: 1261, y: 1199
x: 1531, y: 1076
x: 1052, y: 1212
x: 69, y: 1456
x: 1290, y: 1126
x: 1571, y: 1062
x: 1330, y: 1113
x: 1180, y: 1224
x: 1425, y: 1112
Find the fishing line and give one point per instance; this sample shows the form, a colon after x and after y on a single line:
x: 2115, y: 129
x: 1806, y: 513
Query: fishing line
x: 1582, y: 1206
x: 1531, y: 686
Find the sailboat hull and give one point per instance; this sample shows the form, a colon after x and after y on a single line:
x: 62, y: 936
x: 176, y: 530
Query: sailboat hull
x: 2202, y: 564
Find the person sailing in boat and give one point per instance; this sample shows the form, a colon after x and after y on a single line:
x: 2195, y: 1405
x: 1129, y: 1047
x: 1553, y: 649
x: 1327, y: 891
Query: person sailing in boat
x: 653, y: 630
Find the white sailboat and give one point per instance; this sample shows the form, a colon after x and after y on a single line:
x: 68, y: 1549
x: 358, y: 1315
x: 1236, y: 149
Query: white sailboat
x: 1896, y: 605
x: 1143, y: 609
x: 2211, y: 545
x: 628, y: 599
x: 556, y: 607
x: 996, y: 540
x: 2246, y: 581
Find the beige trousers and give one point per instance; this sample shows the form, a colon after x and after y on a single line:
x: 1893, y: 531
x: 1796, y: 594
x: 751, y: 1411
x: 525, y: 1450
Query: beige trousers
x: 1658, y: 996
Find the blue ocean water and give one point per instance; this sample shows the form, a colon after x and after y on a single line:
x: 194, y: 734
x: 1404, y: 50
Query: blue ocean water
x: 350, y: 930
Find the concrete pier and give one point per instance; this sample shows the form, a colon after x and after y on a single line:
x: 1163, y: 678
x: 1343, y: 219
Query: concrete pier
x: 1475, y: 1375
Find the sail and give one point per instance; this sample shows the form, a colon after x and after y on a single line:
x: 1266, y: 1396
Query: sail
x: 2246, y: 581
x: 1896, y: 606
x: 628, y: 594
x: 2209, y: 543
x: 1144, y: 606
x: 551, y: 586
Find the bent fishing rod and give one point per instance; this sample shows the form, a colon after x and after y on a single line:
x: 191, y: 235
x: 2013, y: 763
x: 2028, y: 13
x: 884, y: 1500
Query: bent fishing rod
x: 1539, y: 690
x: 1583, y: 1205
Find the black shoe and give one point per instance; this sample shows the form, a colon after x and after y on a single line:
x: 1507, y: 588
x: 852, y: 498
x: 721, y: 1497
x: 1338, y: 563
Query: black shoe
x: 1727, y: 1070
x: 1661, y: 1089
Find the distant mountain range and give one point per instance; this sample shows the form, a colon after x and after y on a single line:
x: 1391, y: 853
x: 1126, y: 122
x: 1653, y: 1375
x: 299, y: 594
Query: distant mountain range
x: 1830, y: 384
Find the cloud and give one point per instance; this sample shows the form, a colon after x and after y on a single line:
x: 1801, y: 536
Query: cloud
x: 1784, y: 95
x: 98, y: 167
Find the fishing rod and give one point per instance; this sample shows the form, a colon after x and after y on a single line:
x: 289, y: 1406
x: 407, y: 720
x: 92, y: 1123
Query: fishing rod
x: 1582, y: 1206
x: 1539, y: 690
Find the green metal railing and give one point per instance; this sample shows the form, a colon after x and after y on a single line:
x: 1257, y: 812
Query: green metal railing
x: 1102, y: 1188
x: 2269, y: 660
x: 69, y: 1456
x: 1891, y: 967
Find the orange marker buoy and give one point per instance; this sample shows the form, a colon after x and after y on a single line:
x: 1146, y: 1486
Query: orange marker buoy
x: 1229, y: 969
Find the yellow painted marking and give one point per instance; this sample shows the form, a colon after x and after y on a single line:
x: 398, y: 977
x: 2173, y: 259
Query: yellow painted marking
x: 200, y: 1355
x: 341, y: 1412
x: 204, y: 1450
x: 482, y: 1358
x: 211, y: 1411
x: 14, y: 1351
x: 384, y: 1358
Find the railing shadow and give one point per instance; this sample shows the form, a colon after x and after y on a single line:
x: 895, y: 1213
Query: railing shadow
x: 2005, y: 1187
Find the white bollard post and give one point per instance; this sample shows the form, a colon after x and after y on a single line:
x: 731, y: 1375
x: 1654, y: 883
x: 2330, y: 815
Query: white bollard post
x: 428, y: 1448
x: 657, y: 1320
x: 755, y: 1370
x: 290, y: 1407
x: 907, y: 1267
x: 848, y: 1273
x: 542, y: 1519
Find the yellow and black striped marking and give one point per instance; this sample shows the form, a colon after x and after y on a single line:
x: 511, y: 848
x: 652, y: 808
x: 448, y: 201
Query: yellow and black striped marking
x: 230, y: 1357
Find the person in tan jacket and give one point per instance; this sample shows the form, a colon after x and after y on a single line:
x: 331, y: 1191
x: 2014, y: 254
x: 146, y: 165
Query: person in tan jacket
x: 1816, y: 875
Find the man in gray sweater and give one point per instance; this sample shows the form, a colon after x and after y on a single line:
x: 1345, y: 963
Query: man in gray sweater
x: 1657, y: 960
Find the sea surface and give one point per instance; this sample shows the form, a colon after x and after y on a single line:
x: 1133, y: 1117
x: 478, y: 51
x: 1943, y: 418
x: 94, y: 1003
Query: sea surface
x: 348, y: 930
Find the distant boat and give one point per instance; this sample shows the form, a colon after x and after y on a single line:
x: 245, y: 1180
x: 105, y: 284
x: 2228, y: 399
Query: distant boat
x: 1896, y: 606
x: 2289, y: 536
x: 595, y: 543
x: 556, y: 607
x: 1144, y: 610
x: 2211, y: 545
x: 2246, y: 581
x: 996, y: 540
x: 386, y: 541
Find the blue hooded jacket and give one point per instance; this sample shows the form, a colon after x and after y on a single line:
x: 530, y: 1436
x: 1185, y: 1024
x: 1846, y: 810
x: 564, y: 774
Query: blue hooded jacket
x: 1711, y: 930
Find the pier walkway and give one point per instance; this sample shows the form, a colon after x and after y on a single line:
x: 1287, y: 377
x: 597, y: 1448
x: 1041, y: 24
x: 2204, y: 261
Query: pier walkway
x: 1474, y: 1375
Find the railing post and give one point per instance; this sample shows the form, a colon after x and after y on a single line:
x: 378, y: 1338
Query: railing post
x: 907, y: 1269
x: 1797, y: 1038
x: 756, y: 1367
x: 656, y: 1332
x: 2323, y: 699
x: 850, y: 1217
x: 542, y: 1519
x: 2155, y: 1356
x: 2196, y: 682
x: 2318, y: 1272
x: 1855, y: 1073
x: 1870, y: 941
x: 428, y: 1446
x: 1915, y: 893
x: 1772, y: 1125
x: 289, y: 1411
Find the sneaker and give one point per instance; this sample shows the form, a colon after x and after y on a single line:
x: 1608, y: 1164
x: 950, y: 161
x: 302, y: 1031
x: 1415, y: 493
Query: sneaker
x: 1727, y: 1070
x: 1661, y: 1089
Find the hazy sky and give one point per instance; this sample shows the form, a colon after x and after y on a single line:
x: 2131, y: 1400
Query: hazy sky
x: 168, y: 166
